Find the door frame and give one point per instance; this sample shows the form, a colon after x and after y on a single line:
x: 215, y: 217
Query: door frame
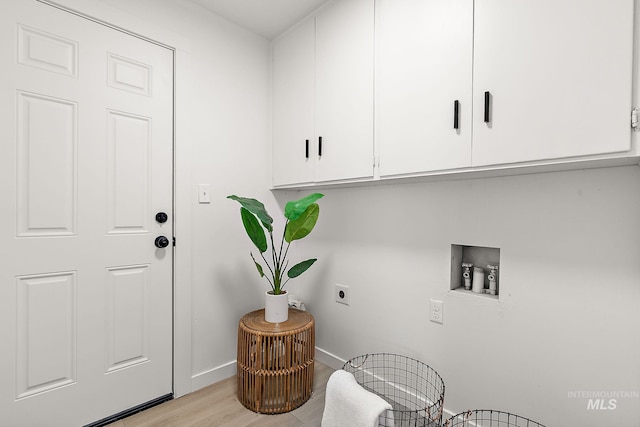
x: 108, y: 16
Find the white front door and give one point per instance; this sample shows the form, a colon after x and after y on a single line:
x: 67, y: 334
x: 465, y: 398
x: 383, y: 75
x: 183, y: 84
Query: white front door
x: 85, y: 295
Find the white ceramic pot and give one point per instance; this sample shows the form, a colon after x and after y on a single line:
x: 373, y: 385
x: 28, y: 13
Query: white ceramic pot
x: 276, y: 307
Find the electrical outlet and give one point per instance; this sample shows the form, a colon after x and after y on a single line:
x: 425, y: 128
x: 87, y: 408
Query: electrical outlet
x: 342, y: 294
x: 436, y: 312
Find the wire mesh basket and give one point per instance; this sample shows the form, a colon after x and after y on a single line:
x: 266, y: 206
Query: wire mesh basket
x: 413, y: 389
x: 489, y: 418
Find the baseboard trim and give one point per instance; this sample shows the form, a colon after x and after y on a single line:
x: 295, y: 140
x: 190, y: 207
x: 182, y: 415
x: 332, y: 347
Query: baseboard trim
x: 131, y: 411
x: 213, y: 375
x: 229, y: 369
x: 446, y: 414
x: 329, y: 359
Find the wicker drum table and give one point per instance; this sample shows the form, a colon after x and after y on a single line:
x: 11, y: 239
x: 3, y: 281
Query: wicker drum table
x: 275, y: 361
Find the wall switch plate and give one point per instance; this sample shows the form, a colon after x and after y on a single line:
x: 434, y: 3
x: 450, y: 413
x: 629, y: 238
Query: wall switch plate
x: 203, y: 193
x: 436, y: 313
x: 342, y: 294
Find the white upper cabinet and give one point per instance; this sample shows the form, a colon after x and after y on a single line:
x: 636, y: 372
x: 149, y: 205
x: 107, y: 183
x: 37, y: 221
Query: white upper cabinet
x: 559, y: 75
x: 323, y: 93
x: 423, y: 78
x: 293, y: 106
x: 543, y: 83
x: 344, y: 90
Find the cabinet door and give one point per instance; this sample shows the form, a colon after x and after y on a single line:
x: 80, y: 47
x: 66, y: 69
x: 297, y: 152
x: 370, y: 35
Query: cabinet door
x: 344, y: 90
x: 423, y: 64
x: 559, y: 75
x: 293, y: 106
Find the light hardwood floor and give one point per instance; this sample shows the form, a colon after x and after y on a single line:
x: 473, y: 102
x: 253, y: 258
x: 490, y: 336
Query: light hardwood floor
x: 218, y: 405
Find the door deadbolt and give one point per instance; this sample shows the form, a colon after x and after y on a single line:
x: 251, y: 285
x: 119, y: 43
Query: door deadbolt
x: 161, y: 217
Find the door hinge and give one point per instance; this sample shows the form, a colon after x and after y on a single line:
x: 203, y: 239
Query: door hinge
x: 634, y: 119
x: 174, y: 241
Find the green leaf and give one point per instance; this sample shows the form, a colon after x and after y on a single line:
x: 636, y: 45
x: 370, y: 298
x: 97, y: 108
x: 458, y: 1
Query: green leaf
x: 294, y: 209
x: 302, y: 226
x: 256, y: 208
x: 255, y: 232
x: 300, y: 268
x: 258, y: 266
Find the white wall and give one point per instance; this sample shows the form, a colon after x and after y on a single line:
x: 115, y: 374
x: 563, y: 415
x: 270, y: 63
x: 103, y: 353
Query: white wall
x: 568, y: 314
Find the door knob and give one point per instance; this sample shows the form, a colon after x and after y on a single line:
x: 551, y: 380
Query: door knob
x: 161, y: 217
x: 162, y: 242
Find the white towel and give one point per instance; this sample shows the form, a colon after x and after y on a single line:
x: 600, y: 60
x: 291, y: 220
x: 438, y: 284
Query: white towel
x: 347, y: 404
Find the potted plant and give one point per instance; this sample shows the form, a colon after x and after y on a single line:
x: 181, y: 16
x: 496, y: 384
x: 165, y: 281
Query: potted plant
x: 301, y: 217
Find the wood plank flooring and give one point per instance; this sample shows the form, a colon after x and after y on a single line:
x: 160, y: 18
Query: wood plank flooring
x: 218, y: 405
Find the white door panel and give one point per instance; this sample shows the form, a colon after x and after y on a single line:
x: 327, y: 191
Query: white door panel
x: 558, y: 88
x: 85, y: 296
x: 294, y: 146
x: 344, y: 90
x: 423, y: 64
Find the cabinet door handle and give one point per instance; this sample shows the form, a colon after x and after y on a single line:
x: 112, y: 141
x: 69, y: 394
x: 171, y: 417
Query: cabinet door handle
x: 487, y: 107
x: 306, y: 149
x: 456, y: 114
x: 320, y: 146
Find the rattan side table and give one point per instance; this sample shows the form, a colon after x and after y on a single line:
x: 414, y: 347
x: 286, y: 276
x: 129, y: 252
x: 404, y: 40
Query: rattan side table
x: 275, y: 361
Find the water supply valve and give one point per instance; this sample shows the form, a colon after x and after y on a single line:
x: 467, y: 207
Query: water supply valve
x: 493, y: 279
x: 466, y: 275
